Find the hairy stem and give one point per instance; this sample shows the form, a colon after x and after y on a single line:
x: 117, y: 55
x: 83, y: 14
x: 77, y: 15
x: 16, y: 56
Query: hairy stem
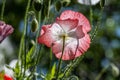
x: 3, y: 8
x: 23, y: 47
x: 97, y: 26
x: 60, y: 61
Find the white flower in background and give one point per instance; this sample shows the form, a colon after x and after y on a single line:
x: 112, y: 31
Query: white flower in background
x: 88, y: 2
x: 6, y: 47
x: 2, y: 61
x: 12, y: 65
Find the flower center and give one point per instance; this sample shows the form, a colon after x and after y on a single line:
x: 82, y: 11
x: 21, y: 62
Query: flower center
x: 63, y: 36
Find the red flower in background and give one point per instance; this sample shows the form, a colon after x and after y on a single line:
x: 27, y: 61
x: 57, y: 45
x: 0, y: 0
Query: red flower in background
x: 5, y: 30
x: 6, y: 77
x: 74, y: 27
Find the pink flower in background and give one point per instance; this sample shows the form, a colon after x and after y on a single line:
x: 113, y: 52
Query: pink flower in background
x: 74, y: 26
x: 5, y: 30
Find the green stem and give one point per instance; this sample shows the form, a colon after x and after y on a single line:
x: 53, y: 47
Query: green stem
x: 100, y: 74
x: 2, y: 10
x: 60, y: 61
x: 49, y: 8
x: 91, y: 15
x: 38, y: 48
x: 71, y: 66
x: 22, y: 50
x: 25, y: 34
x: 97, y: 26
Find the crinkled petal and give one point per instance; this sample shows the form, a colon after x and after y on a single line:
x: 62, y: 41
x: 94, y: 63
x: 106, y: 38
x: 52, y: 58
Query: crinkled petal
x: 5, y: 30
x: 78, y: 33
x: 67, y: 24
x: 84, y: 44
x: 8, y: 30
x: 2, y: 24
x: 68, y: 14
x: 69, y: 49
x: 73, y: 48
x: 50, y: 34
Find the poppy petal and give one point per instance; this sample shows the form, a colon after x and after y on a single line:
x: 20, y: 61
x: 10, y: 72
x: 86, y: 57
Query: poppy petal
x: 73, y: 48
x: 50, y: 34
x: 82, y: 20
x: 67, y: 24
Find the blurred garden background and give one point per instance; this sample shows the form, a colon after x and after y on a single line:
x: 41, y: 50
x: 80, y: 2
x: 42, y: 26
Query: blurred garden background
x: 101, y: 61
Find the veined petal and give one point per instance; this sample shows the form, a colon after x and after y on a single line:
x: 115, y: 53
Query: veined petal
x: 77, y: 33
x: 50, y: 34
x: 73, y: 48
x: 5, y: 30
x: 67, y: 24
x: 84, y: 43
x: 82, y: 20
x: 69, y: 49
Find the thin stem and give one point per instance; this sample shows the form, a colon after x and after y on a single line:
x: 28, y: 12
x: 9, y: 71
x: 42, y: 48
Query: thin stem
x: 97, y: 26
x: 60, y: 61
x: 38, y: 48
x: 49, y: 8
x: 2, y: 10
x: 91, y: 15
x: 23, y: 46
x: 25, y: 33
x: 69, y: 67
x: 100, y: 74
x: 50, y: 58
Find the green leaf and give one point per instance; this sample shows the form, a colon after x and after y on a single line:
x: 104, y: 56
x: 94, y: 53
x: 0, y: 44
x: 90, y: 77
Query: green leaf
x: 29, y: 59
x: 17, y: 70
x: 51, y: 74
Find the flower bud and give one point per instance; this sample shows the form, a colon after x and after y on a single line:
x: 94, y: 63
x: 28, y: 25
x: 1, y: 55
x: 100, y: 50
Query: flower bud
x: 58, y: 5
x: 66, y: 2
x: 34, y: 25
x: 115, y: 70
x: 102, y: 3
x: 37, y: 5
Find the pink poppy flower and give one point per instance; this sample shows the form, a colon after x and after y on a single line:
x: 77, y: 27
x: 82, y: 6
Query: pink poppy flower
x: 74, y: 27
x: 5, y: 30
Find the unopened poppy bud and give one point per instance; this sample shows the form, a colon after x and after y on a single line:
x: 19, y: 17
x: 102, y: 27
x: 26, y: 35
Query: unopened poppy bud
x: 66, y: 2
x: 102, y: 3
x: 37, y: 5
x: 58, y: 5
x: 115, y: 70
x: 32, y: 42
x: 34, y: 25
